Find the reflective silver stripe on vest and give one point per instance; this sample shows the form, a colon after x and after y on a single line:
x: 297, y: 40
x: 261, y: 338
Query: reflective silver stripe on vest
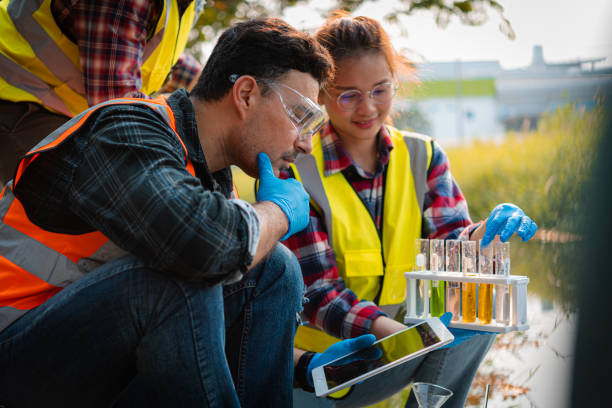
x: 309, y: 173
x: 21, y: 78
x: 161, y: 109
x: 40, y: 260
x: 47, y: 51
x: 8, y: 315
x: 60, y: 130
x: 157, y: 38
x: 311, y: 179
x: 51, y: 55
x: 33, y: 256
x: 418, y: 166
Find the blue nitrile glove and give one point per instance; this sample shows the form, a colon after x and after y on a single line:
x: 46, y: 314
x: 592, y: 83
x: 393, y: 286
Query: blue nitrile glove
x: 288, y: 194
x: 342, y: 348
x: 505, y: 220
x: 461, y: 335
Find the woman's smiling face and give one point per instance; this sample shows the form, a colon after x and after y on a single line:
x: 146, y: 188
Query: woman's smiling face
x: 361, y: 72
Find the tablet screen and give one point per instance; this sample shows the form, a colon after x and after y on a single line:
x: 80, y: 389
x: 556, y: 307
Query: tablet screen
x: 391, y: 349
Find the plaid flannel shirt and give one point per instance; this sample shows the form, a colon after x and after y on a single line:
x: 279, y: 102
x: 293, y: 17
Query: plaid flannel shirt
x: 124, y: 174
x: 332, y: 306
x: 111, y: 37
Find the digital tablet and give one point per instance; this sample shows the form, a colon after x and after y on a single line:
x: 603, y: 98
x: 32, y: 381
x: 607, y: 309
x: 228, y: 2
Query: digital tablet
x: 384, y: 354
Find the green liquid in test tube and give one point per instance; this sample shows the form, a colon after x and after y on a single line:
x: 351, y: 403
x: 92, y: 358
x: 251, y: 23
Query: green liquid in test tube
x: 436, y: 264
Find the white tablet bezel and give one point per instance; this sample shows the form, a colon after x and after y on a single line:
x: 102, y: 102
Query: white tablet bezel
x: 318, y: 374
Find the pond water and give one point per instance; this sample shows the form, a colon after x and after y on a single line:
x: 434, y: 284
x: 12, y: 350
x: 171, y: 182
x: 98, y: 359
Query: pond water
x: 533, y: 368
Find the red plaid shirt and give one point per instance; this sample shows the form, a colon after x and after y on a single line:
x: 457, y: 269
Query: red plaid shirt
x: 111, y: 36
x: 332, y: 306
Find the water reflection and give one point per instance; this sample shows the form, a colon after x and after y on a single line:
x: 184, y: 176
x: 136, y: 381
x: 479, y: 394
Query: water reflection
x: 532, y: 368
x: 552, y: 269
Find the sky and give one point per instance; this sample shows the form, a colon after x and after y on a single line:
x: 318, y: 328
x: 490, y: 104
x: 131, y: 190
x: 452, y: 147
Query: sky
x: 566, y: 29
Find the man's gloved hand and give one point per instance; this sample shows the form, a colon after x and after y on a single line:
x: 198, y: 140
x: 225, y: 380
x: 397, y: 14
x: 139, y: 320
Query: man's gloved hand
x: 288, y: 194
x: 342, y: 348
x: 461, y: 335
x: 506, y: 219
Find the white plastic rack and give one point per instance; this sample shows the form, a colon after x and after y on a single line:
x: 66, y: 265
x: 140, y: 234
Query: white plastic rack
x: 515, y: 317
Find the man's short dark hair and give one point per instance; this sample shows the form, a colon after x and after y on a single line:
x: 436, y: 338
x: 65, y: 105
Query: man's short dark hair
x: 265, y: 49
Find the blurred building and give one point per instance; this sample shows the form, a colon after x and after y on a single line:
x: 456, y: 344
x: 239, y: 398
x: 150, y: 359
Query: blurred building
x: 459, y: 101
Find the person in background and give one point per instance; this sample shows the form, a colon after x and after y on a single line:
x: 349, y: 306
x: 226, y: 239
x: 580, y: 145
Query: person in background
x: 59, y: 57
x: 374, y: 189
x: 130, y: 275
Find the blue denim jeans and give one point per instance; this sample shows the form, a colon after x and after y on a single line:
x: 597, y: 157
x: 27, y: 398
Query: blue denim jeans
x: 452, y: 367
x: 124, y: 335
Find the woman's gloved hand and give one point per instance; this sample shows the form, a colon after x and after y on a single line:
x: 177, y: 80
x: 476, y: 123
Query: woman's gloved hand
x: 342, y: 348
x: 506, y: 219
x: 288, y: 194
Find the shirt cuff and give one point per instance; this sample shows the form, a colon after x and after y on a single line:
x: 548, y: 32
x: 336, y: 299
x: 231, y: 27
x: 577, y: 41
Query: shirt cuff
x: 359, y: 320
x: 251, y: 219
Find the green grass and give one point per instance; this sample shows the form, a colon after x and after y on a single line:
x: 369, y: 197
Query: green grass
x: 444, y: 89
x: 543, y: 171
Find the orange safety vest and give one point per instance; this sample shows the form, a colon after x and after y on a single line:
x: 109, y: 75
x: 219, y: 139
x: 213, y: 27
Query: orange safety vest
x: 36, y: 264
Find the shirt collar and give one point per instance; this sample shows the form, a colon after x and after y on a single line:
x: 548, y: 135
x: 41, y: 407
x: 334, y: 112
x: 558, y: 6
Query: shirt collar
x: 186, y: 124
x: 187, y: 128
x: 336, y: 158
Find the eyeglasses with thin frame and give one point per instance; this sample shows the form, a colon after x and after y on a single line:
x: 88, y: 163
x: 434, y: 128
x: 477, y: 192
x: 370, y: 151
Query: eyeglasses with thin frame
x: 305, y: 116
x: 350, y: 99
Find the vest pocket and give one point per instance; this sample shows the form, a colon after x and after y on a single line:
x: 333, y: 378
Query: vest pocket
x: 362, y: 263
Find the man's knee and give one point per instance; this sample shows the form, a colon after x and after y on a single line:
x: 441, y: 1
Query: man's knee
x: 287, y: 270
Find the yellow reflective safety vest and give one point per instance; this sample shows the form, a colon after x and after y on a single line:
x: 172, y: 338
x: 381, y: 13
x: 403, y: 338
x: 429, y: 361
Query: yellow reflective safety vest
x: 35, y: 264
x: 372, y: 266
x: 38, y: 63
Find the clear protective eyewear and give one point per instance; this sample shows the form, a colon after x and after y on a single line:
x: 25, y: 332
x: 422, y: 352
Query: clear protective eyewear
x: 349, y: 100
x: 305, y: 116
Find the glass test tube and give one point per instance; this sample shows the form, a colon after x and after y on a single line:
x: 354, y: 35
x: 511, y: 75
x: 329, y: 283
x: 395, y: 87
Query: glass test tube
x: 502, y: 292
x: 436, y: 264
x: 485, y: 290
x: 422, y: 285
x: 453, y: 289
x: 468, y: 289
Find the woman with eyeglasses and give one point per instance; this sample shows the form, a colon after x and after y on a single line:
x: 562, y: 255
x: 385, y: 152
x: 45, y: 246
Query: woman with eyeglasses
x: 374, y: 189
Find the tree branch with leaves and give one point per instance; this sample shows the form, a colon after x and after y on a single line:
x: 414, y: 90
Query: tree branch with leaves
x: 219, y: 14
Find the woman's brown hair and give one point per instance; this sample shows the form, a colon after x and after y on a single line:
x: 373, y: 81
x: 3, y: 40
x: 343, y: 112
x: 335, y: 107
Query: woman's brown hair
x: 345, y: 36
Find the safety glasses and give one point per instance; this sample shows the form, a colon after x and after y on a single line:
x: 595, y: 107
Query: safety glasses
x: 349, y: 100
x: 305, y: 115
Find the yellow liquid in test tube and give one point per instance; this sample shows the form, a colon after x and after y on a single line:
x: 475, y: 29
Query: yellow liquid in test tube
x: 485, y: 290
x: 468, y: 301
x: 485, y: 303
x: 468, y: 293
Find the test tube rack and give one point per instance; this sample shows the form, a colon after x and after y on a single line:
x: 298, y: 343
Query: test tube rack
x: 517, y: 319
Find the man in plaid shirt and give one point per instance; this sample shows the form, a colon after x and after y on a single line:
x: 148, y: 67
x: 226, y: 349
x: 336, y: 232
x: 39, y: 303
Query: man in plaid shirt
x: 111, y: 59
x: 111, y: 37
x: 188, y: 300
